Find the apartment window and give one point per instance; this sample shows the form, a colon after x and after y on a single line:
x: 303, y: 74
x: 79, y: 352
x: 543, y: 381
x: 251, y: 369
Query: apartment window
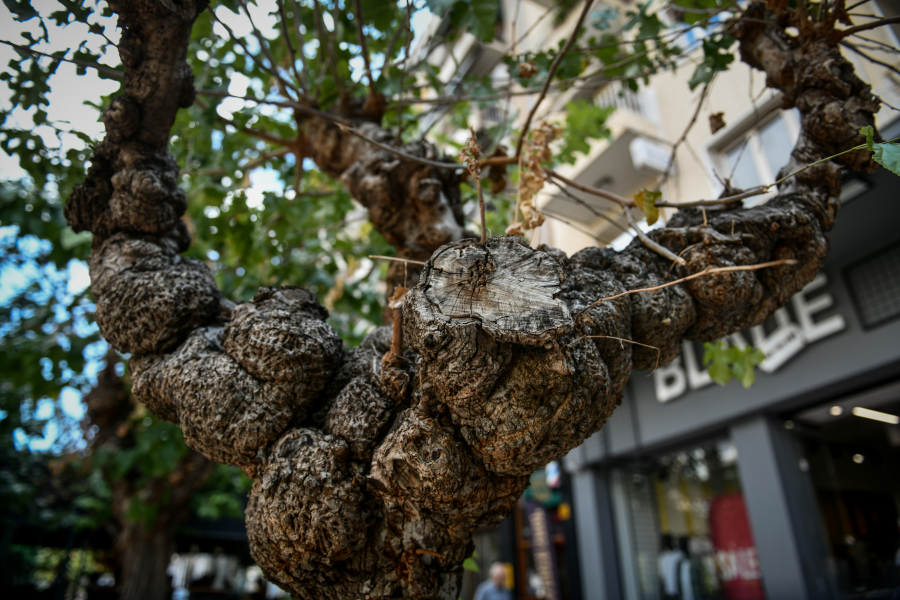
x: 754, y: 156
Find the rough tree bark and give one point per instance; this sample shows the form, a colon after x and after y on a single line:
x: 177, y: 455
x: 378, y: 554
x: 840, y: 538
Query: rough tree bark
x: 143, y: 550
x: 370, y: 479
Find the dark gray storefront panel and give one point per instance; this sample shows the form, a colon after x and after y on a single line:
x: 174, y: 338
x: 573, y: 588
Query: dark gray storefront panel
x: 597, y: 553
x: 793, y: 553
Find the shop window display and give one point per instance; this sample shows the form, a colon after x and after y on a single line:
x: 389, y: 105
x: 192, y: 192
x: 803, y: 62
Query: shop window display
x: 851, y: 453
x: 688, y: 535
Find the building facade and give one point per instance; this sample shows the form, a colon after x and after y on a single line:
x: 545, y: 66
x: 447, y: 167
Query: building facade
x: 787, y: 490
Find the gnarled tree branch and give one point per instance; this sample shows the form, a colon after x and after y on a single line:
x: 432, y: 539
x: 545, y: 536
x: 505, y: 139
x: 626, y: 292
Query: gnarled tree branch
x: 372, y: 475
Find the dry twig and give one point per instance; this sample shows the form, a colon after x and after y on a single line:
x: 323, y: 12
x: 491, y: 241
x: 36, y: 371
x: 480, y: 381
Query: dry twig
x: 550, y: 73
x: 712, y: 271
x: 394, y: 258
x: 611, y: 337
x: 365, y: 48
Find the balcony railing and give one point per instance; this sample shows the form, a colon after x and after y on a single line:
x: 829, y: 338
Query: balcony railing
x: 615, y: 94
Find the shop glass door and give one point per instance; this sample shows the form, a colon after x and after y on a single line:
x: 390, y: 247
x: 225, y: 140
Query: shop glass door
x: 683, y: 531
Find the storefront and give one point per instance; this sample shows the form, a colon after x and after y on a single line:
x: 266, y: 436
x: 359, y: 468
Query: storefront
x: 536, y: 543
x: 789, y: 490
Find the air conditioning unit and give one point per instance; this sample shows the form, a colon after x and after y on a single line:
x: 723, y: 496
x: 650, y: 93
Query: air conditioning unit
x: 649, y: 156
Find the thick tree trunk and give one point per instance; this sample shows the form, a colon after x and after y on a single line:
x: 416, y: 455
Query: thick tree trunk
x: 144, y: 549
x: 144, y: 557
x: 142, y: 554
x: 371, y: 475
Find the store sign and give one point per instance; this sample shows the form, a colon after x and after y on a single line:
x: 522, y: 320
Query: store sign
x: 543, y: 552
x: 779, y: 346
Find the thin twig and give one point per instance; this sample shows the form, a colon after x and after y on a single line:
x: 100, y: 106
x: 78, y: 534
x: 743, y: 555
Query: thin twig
x: 403, y: 72
x: 651, y: 244
x: 572, y: 197
x: 300, y: 38
x: 264, y: 46
x: 324, y: 44
x: 256, y: 162
x: 503, y: 92
x: 389, y: 51
x: 715, y: 271
x: 881, y: 45
x: 506, y: 122
x: 335, y: 19
x: 262, y: 135
x: 313, y: 112
x: 757, y: 191
x: 394, y: 258
x: 481, y: 209
x: 115, y: 73
x: 374, y: 142
x: 550, y: 73
x: 611, y: 337
x: 827, y: 158
x: 506, y: 53
x: 273, y: 71
x: 290, y: 45
x: 358, y: 17
x: 684, y: 134
x: 623, y: 202
x: 506, y: 91
x: 866, y: 26
x: 574, y: 226
x: 764, y: 189
x: 860, y: 3
x: 429, y: 552
x: 871, y: 59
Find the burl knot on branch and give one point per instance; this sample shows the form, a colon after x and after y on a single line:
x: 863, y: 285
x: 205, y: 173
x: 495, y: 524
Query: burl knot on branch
x: 493, y: 330
x: 503, y: 285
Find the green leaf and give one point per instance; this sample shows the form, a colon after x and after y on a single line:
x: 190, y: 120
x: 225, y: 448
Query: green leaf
x: 744, y: 365
x: 869, y: 132
x: 584, y: 121
x: 604, y: 18
x: 646, y: 201
x: 727, y: 361
x: 378, y: 13
x: 68, y: 239
x: 470, y: 565
x: 716, y: 356
x: 21, y: 9
x: 716, y: 58
x: 691, y: 17
x: 702, y: 74
x: 479, y: 17
x: 888, y: 156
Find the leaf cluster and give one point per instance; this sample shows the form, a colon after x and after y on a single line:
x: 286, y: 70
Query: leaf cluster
x: 886, y: 154
x: 725, y: 361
